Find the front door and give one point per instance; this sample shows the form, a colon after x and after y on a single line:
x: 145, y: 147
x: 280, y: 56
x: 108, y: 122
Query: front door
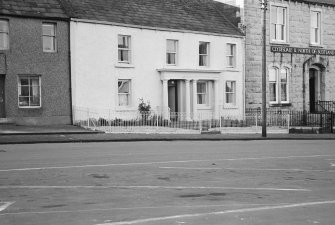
x: 173, y: 98
x: 2, y: 96
x: 313, y: 89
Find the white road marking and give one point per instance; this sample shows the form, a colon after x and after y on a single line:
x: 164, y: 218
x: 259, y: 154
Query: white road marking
x: 5, y: 205
x: 162, y: 162
x: 134, y: 208
x: 157, y: 219
x: 260, y: 169
x: 149, y: 187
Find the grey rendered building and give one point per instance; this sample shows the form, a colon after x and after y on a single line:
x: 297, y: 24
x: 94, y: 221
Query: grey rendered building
x: 34, y: 62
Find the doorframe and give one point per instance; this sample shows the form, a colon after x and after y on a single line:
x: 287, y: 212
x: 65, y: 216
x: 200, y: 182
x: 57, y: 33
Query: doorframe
x: 3, y: 86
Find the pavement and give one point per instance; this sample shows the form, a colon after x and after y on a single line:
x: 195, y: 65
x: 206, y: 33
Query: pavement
x: 13, y: 134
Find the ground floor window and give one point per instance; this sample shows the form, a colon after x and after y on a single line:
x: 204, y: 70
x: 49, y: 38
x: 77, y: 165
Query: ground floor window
x: 202, y: 92
x: 278, y: 85
x: 29, y: 89
x: 231, y: 92
x: 124, y: 92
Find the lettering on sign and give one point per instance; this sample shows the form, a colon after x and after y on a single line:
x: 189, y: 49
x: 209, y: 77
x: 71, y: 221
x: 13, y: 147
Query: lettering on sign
x: 307, y: 51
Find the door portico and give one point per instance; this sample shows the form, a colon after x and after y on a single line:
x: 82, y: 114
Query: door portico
x: 189, y: 96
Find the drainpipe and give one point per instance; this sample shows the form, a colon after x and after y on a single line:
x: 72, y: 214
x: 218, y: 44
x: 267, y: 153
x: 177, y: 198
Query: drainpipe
x: 70, y: 74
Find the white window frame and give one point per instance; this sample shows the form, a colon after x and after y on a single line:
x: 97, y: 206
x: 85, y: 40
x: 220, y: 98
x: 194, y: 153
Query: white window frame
x: 29, y: 86
x: 206, y: 55
x: 312, y: 29
x: 129, y: 93
x: 273, y: 31
x: 206, y: 93
x: 128, y: 49
x: 278, y: 84
x: 53, y: 37
x: 5, y: 34
x: 233, y: 92
x: 231, y: 55
x: 175, y: 53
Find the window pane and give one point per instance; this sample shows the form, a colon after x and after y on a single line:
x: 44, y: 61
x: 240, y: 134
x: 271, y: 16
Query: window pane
x: 171, y: 58
x: 230, y: 98
x: 201, y: 99
x: 314, y: 19
x: 48, y: 29
x: 123, y: 86
x: 229, y: 86
x: 283, y: 92
x: 123, y: 41
x: 23, y: 101
x: 123, y: 55
x: 24, y: 81
x: 201, y: 87
x: 123, y: 99
x: 274, y: 14
x: 273, y: 75
x: 171, y: 45
x: 48, y: 43
x: 273, y: 91
x: 202, y: 60
x: 283, y: 75
x: 3, y: 26
x: 35, y: 100
x: 24, y: 91
x: 3, y: 41
x: 202, y: 48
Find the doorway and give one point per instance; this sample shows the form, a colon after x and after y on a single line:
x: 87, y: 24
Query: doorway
x: 316, y: 88
x: 2, y: 97
x: 173, y: 98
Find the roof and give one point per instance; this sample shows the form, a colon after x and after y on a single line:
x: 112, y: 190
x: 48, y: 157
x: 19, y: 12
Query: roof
x: 192, y: 15
x: 33, y: 8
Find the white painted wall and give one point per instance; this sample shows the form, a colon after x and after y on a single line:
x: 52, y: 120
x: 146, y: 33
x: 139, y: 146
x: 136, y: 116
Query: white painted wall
x: 95, y: 68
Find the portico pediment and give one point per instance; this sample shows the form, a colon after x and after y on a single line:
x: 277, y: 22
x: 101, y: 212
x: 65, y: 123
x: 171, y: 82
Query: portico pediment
x: 189, y: 74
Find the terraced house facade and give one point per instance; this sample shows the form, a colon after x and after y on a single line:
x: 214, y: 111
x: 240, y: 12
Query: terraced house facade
x: 34, y: 63
x: 182, y: 56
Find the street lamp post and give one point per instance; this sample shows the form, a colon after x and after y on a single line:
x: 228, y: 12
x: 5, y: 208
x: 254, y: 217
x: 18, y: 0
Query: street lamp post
x: 264, y: 6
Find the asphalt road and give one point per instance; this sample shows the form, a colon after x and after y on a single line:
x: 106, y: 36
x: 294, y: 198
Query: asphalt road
x: 169, y: 183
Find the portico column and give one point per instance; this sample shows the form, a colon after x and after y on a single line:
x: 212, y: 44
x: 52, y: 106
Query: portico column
x: 216, y: 100
x: 188, y: 100
x: 165, y: 99
x: 195, y: 101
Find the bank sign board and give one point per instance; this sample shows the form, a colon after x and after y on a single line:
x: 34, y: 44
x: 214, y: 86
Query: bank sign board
x: 307, y: 51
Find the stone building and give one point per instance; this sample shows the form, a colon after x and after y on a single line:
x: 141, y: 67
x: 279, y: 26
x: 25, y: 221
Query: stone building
x: 300, y: 54
x: 34, y: 63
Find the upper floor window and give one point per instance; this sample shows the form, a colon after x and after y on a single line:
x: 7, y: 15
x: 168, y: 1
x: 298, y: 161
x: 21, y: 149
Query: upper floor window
x: 4, y: 35
x: 315, y: 27
x: 29, y: 89
x: 278, y: 85
x: 278, y: 23
x: 202, y: 92
x: 49, y: 37
x: 124, y: 93
x: 171, y: 52
x: 124, y: 50
x: 203, y: 53
x: 231, y: 93
x: 231, y: 55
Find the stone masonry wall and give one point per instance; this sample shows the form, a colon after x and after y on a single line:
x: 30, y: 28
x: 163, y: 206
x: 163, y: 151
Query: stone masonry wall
x: 298, y: 36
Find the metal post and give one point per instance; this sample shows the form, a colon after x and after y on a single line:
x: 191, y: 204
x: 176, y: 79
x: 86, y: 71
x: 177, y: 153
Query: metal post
x: 88, y: 117
x: 288, y: 122
x: 264, y: 4
x: 256, y: 118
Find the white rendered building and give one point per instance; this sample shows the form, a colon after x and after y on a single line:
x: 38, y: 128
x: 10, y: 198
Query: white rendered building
x: 185, y: 57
